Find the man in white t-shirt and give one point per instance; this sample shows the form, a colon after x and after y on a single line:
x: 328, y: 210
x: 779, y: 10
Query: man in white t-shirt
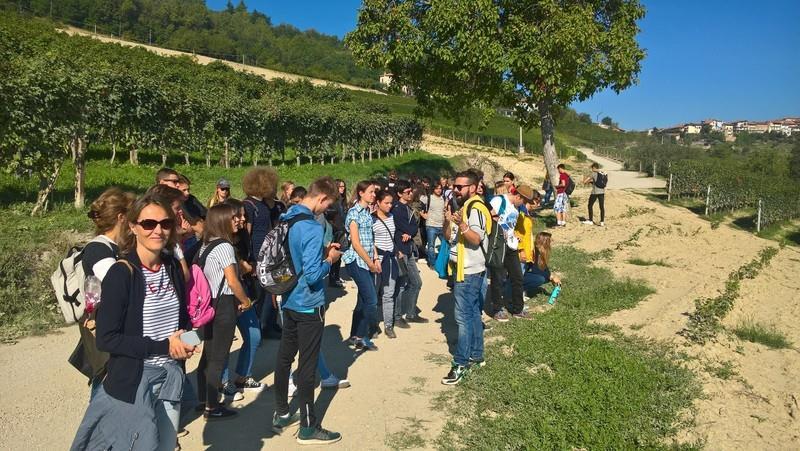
x: 505, y: 210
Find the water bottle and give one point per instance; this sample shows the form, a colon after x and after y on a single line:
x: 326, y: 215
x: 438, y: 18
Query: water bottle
x: 91, y: 293
x: 554, y: 295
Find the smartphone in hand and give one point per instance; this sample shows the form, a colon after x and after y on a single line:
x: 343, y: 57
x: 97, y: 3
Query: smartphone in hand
x: 191, y: 338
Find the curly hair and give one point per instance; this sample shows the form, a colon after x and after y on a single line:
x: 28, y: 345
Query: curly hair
x: 260, y: 182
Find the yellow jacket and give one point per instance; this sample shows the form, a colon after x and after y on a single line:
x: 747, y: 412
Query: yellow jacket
x: 524, y: 231
x: 460, y: 254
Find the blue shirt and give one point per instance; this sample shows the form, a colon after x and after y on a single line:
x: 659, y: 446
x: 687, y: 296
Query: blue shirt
x: 363, y: 220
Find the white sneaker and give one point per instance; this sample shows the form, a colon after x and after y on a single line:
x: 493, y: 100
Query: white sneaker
x: 602, y: 224
x: 587, y: 222
x: 292, y: 388
x: 334, y: 382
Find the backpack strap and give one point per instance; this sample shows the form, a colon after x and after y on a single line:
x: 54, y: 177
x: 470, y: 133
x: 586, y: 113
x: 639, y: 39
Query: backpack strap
x: 394, y: 241
x: 250, y: 202
x: 201, y: 260
x: 300, y: 217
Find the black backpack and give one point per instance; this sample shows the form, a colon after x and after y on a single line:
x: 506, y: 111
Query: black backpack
x: 495, y: 252
x: 602, y: 180
x: 274, y: 268
x: 570, y: 186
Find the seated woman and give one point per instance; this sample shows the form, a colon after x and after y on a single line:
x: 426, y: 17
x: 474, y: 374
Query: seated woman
x: 537, y: 271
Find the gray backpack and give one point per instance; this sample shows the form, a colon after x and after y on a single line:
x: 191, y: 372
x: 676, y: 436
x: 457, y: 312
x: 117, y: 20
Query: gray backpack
x: 274, y: 268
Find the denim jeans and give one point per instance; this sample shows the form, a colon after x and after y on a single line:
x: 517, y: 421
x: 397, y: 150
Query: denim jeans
x: 168, y: 415
x: 531, y: 281
x: 432, y: 234
x: 468, y: 318
x: 386, y: 287
x: 366, y: 311
x: 250, y: 328
x: 410, y: 286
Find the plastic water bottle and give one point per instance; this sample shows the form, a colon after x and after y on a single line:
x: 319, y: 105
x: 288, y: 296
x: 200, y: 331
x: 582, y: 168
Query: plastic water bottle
x: 91, y: 293
x: 554, y: 295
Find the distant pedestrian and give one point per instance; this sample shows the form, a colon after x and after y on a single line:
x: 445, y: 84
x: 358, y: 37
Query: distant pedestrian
x: 598, y: 181
x: 434, y: 221
x: 222, y: 192
x: 561, y: 206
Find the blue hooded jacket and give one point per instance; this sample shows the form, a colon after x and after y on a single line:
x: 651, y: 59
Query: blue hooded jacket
x: 305, y: 247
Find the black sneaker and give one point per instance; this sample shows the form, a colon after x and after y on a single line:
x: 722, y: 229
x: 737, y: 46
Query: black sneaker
x: 280, y: 423
x: 401, y: 323
x: 456, y: 374
x: 374, y: 331
x: 317, y: 436
x: 390, y: 332
x: 249, y: 384
x: 220, y: 413
x: 230, y: 393
x: 417, y: 319
x: 474, y: 364
x: 200, y: 408
x: 366, y: 345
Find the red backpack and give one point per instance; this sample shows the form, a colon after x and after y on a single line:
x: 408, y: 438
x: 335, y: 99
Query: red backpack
x: 199, y: 291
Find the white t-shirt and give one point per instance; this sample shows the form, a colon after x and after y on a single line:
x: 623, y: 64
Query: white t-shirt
x: 222, y: 256
x: 507, y: 218
x: 474, y: 258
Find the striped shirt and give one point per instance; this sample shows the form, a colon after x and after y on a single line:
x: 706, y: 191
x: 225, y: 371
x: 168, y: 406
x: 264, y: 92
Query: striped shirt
x: 384, y: 234
x: 363, y: 219
x: 222, y: 256
x: 160, y: 311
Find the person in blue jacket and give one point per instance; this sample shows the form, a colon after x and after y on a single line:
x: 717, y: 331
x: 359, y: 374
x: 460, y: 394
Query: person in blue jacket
x: 303, y: 313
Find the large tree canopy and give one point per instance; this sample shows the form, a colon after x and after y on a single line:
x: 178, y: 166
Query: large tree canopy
x: 533, y: 55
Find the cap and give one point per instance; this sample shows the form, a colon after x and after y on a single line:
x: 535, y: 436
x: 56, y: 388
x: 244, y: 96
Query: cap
x: 223, y: 183
x: 525, y: 191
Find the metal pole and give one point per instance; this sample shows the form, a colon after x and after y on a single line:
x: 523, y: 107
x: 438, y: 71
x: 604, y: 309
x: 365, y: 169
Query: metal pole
x: 150, y: 36
x: 758, y: 221
x: 654, y: 169
x: 669, y: 190
x: 521, y: 145
x: 708, y: 198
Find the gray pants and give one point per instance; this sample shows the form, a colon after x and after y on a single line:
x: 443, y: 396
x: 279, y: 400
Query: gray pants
x: 410, y: 286
x: 386, y: 286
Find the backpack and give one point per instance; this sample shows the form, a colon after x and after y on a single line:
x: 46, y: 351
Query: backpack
x: 199, y: 294
x: 67, y: 281
x: 274, y: 268
x: 570, y: 186
x: 495, y: 251
x: 602, y: 180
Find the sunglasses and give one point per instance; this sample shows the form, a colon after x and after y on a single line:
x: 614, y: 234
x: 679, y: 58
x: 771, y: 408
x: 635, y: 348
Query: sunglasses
x: 459, y: 187
x: 224, y: 189
x: 150, y: 224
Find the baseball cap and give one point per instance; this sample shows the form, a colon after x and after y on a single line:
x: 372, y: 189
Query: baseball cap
x: 223, y: 183
x: 525, y: 191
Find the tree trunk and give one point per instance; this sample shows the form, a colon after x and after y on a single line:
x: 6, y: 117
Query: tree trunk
x: 80, y: 172
x: 163, y: 157
x: 241, y: 159
x: 186, y: 158
x: 73, y: 144
x: 226, y: 155
x: 46, y: 185
x: 113, y: 151
x: 370, y: 154
x: 208, y: 158
x: 548, y: 141
x: 134, y: 155
x: 298, y: 160
x: 331, y: 159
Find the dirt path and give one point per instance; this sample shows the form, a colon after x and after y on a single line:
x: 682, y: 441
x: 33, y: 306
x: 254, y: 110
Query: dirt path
x: 619, y: 179
x: 389, y: 402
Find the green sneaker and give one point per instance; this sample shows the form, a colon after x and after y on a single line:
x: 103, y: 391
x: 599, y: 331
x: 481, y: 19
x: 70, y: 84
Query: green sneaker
x: 280, y: 423
x: 317, y: 436
x: 457, y: 372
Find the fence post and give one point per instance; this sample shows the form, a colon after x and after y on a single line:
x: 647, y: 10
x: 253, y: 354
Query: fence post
x: 640, y: 166
x: 758, y: 221
x: 669, y: 189
x: 708, y: 198
x: 654, y: 169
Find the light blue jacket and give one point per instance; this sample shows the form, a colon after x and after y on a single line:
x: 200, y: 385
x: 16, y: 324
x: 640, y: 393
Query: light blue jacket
x: 306, y: 247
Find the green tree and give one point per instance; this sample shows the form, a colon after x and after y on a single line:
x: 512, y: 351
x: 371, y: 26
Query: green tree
x: 607, y: 121
x: 585, y: 118
x: 535, y: 55
x: 794, y: 161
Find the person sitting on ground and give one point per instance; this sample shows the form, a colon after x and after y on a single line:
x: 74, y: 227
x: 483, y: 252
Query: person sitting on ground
x: 139, y: 323
x: 222, y: 192
x: 561, y: 206
x: 537, y: 271
x: 304, y: 314
x: 598, y: 194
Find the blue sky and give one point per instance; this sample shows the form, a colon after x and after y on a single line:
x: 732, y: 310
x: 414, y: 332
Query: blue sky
x: 735, y: 59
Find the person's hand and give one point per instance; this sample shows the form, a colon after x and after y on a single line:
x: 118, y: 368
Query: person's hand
x: 405, y: 237
x: 424, y: 214
x: 522, y: 257
x: 375, y: 266
x: 333, y: 252
x: 400, y: 255
x: 275, y: 301
x: 556, y: 280
x: 456, y: 217
x: 246, y: 267
x: 179, y: 350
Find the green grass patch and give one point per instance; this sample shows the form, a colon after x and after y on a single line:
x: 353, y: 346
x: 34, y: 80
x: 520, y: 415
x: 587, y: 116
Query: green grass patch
x: 30, y: 247
x: 409, y: 437
x: 570, y: 383
x: 767, y: 335
x: 645, y: 262
x: 705, y: 321
x: 724, y: 370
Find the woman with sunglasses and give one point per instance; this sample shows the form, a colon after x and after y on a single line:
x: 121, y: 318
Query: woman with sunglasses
x: 218, y: 259
x: 222, y: 192
x: 139, y: 323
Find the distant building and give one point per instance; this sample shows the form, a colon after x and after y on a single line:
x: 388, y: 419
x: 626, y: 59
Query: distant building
x: 386, y: 80
x: 714, y: 124
x: 692, y: 129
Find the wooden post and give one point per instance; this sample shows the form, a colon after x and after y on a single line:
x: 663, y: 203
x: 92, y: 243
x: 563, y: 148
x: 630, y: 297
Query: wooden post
x: 654, y: 169
x: 758, y: 220
x: 640, y: 166
x: 669, y: 189
x: 708, y: 198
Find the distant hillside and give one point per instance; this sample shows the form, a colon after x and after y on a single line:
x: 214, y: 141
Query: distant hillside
x: 230, y: 34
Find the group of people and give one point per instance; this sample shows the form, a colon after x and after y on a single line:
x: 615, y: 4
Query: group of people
x: 145, y: 254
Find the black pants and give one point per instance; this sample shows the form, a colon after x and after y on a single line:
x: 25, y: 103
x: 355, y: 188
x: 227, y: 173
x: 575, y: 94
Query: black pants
x: 336, y: 268
x: 301, y: 332
x: 512, y: 269
x: 218, y: 336
x: 601, y: 198
x: 266, y: 312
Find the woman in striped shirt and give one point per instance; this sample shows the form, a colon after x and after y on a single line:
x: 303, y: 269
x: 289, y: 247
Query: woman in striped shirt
x: 139, y: 323
x: 217, y: 257
x: 360, y: 260
x: 383, y: 229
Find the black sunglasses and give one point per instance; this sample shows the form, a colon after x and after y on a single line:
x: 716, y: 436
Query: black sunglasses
x: 150, y: 224
x: 458, y: 187
x: 224, y: 189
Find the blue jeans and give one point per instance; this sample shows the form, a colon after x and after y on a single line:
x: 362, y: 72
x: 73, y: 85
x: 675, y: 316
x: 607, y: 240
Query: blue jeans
x: 250, y: 329
x: 408, y: 295
x: 531, y: 281
x: 366, y: 311
x: 433, y: 233
x: 468, y: 318
x: 547, y: 194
